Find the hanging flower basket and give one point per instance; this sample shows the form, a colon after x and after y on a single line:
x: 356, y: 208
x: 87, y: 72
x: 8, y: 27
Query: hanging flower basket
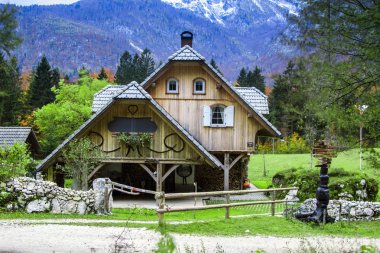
x: 136, y: 140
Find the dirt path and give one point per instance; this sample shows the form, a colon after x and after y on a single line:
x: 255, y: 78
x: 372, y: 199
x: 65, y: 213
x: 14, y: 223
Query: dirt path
x: 18, y: 237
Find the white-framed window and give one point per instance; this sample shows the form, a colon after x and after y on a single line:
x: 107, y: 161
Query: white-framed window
x: 172, y: 86
x: 199, y: 86
x: 218, y: 116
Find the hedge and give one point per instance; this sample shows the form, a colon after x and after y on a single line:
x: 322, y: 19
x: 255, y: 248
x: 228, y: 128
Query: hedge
x: 342, y: 183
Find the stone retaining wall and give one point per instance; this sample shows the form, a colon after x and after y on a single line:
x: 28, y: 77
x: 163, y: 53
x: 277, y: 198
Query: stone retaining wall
x: 345, y: 210
x: 44, y: 196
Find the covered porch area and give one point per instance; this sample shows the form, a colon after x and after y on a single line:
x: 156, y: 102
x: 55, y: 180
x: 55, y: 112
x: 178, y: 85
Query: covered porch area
x: 154, y: 175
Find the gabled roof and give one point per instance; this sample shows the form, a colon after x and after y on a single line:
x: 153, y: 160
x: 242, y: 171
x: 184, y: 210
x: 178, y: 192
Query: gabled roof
x: 134, y: 91
x: 189, y: 53
x: 255, y: 97
x: 104, y: 96
x: 12, y: 135
x: 186, y: 53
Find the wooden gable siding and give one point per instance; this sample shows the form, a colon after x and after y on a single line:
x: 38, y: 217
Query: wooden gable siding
x: 187, y: 109
x: 111, y: 142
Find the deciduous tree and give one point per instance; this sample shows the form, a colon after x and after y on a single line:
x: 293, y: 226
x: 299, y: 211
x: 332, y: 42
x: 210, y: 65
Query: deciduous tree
x: 80, y: 158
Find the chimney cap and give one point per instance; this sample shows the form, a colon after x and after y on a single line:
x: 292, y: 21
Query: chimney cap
x: 187, y: 34
x: 186, y: 39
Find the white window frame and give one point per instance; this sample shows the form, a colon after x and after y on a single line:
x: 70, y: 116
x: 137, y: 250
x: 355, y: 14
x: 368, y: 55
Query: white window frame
x: 228, y: 116
x: 222, y: 113
x: 167, y: 86
x: 203, y: 91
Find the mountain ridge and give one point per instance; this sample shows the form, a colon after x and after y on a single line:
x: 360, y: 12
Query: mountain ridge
x: 94, y: 33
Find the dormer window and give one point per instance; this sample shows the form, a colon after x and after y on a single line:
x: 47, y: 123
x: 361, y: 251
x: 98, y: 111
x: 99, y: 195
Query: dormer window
x: 199, y: 86
x: 172, y: 86
x: 218, y: 116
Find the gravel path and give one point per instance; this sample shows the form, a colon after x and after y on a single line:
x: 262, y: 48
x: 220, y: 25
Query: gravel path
x: 17, y: 237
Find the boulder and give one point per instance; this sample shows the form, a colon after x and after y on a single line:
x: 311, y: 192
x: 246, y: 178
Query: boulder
x: 82, y: 207
x: 38, y: 205
x: 55, y: 206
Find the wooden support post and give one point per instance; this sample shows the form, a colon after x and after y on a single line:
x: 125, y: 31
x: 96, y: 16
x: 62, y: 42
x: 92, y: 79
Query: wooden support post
x: 227, y: 181
x: 161, y: 201
x: 273, y: 203
x: 106, y: 200
x: 159, y: 178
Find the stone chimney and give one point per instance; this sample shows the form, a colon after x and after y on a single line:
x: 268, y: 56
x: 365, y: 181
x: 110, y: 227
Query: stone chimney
x: 186, y: 39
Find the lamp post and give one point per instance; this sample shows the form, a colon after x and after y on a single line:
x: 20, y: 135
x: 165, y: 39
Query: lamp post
x: 361, y: 109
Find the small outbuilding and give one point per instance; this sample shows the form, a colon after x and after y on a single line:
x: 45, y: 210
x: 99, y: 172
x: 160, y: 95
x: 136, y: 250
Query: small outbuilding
x: 12, y: 135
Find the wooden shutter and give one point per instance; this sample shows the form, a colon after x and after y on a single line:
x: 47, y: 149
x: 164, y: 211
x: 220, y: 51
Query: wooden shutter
x: 229, y: 116
x: 206, y: 115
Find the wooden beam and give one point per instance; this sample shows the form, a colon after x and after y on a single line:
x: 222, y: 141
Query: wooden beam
x: 149, y: 171
x: 95, y: 170
x: 153, y: 161
x: 191, y: 208
x: 221, y: 193
x: 169, y: 172
x: 236, y: 160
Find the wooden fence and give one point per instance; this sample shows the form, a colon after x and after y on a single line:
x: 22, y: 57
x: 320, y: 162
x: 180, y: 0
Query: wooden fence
x: 162, y: 197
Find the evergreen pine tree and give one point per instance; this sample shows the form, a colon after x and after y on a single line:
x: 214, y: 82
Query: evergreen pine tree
x: 146, y: 65
x: 40, y: 92
x: 257, y: 80
x: 124, y: 68
x: 10, y: 91
x: 242, y: 79
x: 8, y: 25
x: 55, y: 77
x: 102, y: 75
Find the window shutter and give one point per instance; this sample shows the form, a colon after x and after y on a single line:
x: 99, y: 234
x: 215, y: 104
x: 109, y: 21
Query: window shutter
x: 206, y: 115
x: 229, y: 116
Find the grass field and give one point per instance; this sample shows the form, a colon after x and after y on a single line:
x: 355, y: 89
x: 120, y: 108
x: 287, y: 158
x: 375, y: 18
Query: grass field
x: 212, y: 222
x: 348, y: 160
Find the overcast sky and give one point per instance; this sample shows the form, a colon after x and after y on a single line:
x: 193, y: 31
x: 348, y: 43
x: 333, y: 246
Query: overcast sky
x: 41, y: 2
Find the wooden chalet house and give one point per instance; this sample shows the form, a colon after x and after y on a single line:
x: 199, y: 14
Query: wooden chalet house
x: 196, y: 127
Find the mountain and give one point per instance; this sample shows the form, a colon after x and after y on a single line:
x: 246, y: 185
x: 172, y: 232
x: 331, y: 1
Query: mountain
x: 94, y: 33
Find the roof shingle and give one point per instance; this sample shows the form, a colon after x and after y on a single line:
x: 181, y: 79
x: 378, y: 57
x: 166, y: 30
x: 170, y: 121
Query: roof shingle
x: 11, y: 135
x: 256, y: 98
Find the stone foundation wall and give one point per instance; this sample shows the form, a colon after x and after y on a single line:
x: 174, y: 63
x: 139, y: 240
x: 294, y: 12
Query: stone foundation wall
x: 43, y: 196
x: 346, y: 210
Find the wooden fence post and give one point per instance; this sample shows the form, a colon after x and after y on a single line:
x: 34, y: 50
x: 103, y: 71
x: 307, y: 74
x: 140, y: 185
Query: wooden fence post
x: 161, y: 216
x: 273, y: 203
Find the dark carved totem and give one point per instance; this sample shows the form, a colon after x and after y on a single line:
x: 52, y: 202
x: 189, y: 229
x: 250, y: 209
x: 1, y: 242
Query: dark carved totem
x: 325, y: 153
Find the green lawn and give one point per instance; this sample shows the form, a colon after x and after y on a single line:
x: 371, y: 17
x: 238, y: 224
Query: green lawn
x: 348, y: 160
x: 217, y: 225
x: 143, y: 214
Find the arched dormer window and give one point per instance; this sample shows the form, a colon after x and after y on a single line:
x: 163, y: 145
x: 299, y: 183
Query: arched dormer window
x: 199, y: 86
x: 218, y: 116
x: 172, y: 86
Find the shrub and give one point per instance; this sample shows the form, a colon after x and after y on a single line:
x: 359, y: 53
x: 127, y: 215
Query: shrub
x: 342, y: 183
x: 15, y: 161
x: 291, y: 145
